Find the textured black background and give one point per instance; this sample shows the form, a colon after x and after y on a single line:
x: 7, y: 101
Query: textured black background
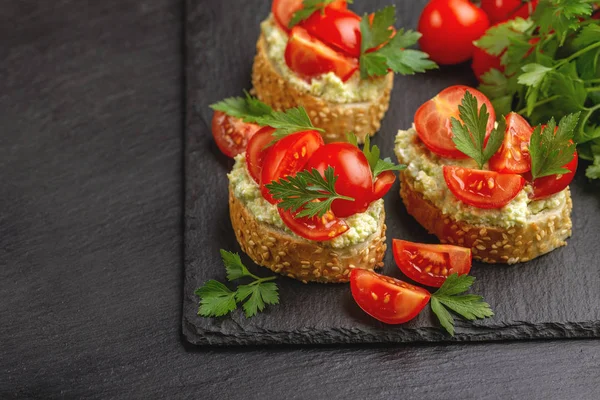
x: 91, y: 239
x: 554, y: 296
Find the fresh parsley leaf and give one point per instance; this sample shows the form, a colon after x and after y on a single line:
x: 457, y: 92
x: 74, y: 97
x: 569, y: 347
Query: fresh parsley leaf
x: 233, y: 265
x: 470, y: 136
x: 247, y: 108
x: 377, y: 33
x: 560, y: 16
x: 588, y: 35
x: 372, y: 153
x: 257, y: 296
x: 309, y: 8
x: 216, y: 299
x: 287, y: 122
x: 352, y: 139
x: 307, y: 192
x: 533, y: 75
x: 593, y: 171
x: 551, y: 151
x: 499, y: 37
x: 450, y: 297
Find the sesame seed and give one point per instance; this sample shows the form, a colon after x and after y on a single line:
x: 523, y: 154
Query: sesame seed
x: 480, y: 247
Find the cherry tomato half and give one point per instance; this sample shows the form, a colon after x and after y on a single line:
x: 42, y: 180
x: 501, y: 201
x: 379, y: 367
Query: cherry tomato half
x: 513, y: 156
x: 431, y: 264
x: 354, y: 177
x: 283, y: 10
x: 432, y: 119
x: 317, y: 229
x: 286, y: 157
x: 231, y: 134
x: 549, y: 185
x: 383, y: 183
x: 449, y: 28
x: 482, y: 189
x: 387, y: 299
x: 256, y: 151
x: 338, y: 28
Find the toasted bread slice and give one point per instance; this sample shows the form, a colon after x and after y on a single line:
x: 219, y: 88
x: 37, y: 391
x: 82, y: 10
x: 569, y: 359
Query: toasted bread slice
x: 302, y: 259
x: 337, y: 119
x: 543, y: 233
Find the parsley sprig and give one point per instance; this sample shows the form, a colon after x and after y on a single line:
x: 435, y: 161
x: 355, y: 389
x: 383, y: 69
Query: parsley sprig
x: 450, y: 297
x: 248, y: 108
x: 309, y: 8
x: 391, y: 53
x: 308, y: 192
x: 373, y: 154
x: 469, y: 136
x: 217, y: 300
x: 551, y: 151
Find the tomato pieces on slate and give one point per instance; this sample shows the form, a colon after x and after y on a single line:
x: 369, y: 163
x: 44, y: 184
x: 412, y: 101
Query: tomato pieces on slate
x: 231, y: 134
x: 431, y: 264
x: 326, y: 227
x: 283, y: 10
x: 286, y: 157
x: 256, y: 151
x: 432, y: 119
x: 482, y: 189
x: 513, y: 156
x: 386, y: 299
x: 549, y: 185
x: 308, y: 57
x: 383, y: 183
x: 338, y: 28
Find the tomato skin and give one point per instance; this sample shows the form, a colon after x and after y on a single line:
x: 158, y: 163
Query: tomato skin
x: 231, y: 134
x: 525, y: 11
x: 482, y: 189
x: 338, y: 28
x: 513, y: 156
x: 354, y: 177
x: 431, y: 264
x: 386, y: 299
x: 256, y: 151
x: 432, y: 120
x: 309, y: 57
x: 286, y: 157
x: 318, y: 229
x: 500, y: 10
x: 383, y: 184
x: 484, y: 62
x: 549, y: 185
x: 449, y: 28
x: 283, y: 10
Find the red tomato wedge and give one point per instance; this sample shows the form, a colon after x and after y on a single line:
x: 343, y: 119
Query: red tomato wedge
x: 317, y: 229
x: 549, y: 185
x: 286, y: 157
x: 432, y: 119
x: 387, y: 299
x: 231, y: 134
x: 513, y: 156
x: 283, y: 10
x: 308, y: 57
x: 354, y: 177
x: 383, y: 184
x: 256, y: 151
x: 338, y: 28
x: 431, y: 264
x: 482, y: 189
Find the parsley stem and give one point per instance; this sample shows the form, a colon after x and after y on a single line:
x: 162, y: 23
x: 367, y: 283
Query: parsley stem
x: 592, y: 80
x: 593, y: 89
x: 542, y: 102
x: 577, y: 54
x: 261, y: 280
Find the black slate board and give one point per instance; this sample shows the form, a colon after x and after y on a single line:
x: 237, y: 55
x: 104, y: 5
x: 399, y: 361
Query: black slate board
x: 555, y: 296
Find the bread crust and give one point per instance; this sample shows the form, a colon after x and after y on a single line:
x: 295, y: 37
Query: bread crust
x: 336, y: 119
x: 491, y: 244
x: 299, y: 258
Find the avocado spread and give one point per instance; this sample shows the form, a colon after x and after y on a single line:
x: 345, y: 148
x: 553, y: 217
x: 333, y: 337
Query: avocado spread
x: 247, y: 191
x: 425, y: 169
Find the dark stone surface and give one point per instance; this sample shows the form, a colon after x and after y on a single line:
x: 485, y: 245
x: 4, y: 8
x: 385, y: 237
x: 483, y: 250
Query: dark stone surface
x: 555, y: 296
x: 91, y: 240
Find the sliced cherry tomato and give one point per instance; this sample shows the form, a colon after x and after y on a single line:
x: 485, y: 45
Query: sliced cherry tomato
x: 286, y: 157
x: 383, y: 183
x: 449, y: 28
x: 256, y: 151
x: 549, y: 185
x: 483, y: 62
x: 317, y: 229
x: 283, y: 10
x: 387, y: 299
x: 354, y: 177
x: 432, y: 119
x: 308, y: 57
x: 231, y: 134
x: 338, y: 28
x: 431, y: 264
x: 525, y: 11
x: 482, y: 189
x: 513, y: 156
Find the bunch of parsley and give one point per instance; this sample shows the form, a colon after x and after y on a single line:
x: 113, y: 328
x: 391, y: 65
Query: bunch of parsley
x: 551, y: 69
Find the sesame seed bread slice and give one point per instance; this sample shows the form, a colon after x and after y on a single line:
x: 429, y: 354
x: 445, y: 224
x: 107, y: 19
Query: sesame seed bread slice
x: 335, y: 118
x: 543, y: 233
x: 302, y: 259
